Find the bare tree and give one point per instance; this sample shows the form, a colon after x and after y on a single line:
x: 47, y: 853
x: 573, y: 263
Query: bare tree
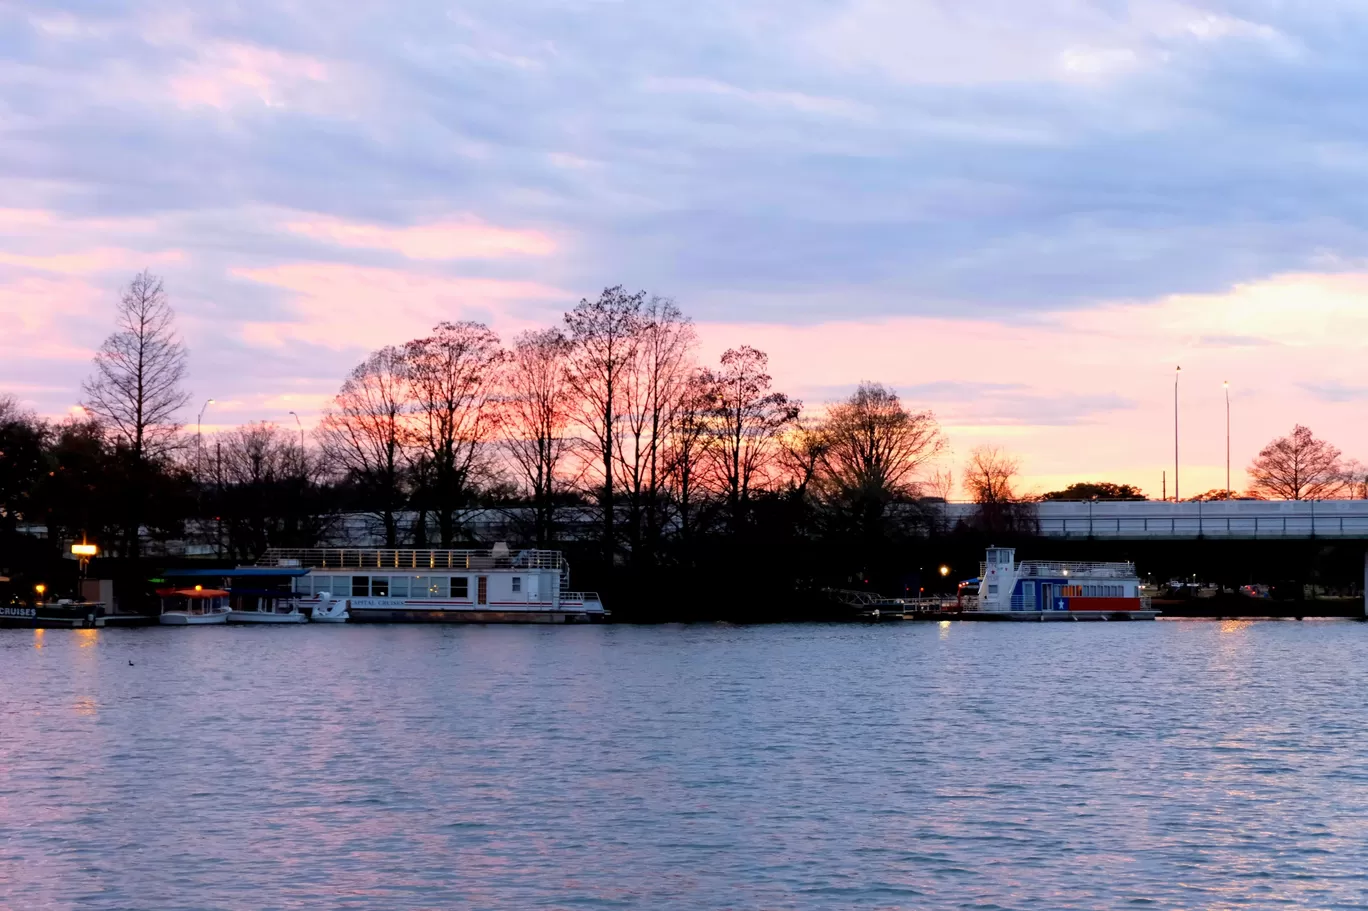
x: 687, y: 448
x: 453, y: 378
x: 136, y: 388
x: 802, y: 448
x: 651, y: 390
x: 1355, y: 475
x: 605, y: 335
x: 1298, y: 467
x: 990, y: 479
x: 538, y: 408
x: 990, y: 476
x: 748, y: 420
x: 364, y: 433
x: 266, y: 490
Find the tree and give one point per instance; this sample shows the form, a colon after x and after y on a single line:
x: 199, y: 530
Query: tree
x: 1096, y: 490
x: 23, y: 463
x: 873, y: 450
x: 453, y: 378
x: 990, y: 479
x: 604, y: 335
x: 688, y: 448
x: 267, y: 497
x: 652, y: 389
x: 139, y: 370
x: 365, y: 431
x: 748, y: 420
x: 1298, y: 467
x: 537, y: 411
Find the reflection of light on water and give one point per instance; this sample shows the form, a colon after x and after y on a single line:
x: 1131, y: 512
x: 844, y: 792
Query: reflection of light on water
x: 1234, y: 626
x: 86, y: 637
x: 85, y: 706
x: 38, y: 637
x: 945, y: 629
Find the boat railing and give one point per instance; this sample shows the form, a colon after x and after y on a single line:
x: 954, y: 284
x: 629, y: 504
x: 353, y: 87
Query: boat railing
x: 582, y: 597
x: 1050, y: 569
x: 401, y: 558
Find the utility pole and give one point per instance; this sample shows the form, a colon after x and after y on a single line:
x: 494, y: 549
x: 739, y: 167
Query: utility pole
x: 1226, y: 384
x: 1176, y: 373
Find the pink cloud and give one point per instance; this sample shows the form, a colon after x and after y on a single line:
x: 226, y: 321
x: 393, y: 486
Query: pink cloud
x: 226, y: 75
x: 345, y: 306
x: 466, y: 238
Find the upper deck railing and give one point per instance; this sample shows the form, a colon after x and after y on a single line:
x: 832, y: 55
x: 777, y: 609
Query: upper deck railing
x: 395, y: 558
x: 1053, y: 569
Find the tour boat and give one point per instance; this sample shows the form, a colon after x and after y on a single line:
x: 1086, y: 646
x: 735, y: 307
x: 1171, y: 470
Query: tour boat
x: 442, y: 586
x: 193, y: 606
x: 1049, y: 590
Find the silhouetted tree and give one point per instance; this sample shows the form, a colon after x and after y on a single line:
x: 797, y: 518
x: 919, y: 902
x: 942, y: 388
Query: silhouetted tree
x: 364, y: 432
x: 1096, y: 490
x: 537, y: 410
x: 748, y: 419
x: 1298, y: 467
x: 453, y: 380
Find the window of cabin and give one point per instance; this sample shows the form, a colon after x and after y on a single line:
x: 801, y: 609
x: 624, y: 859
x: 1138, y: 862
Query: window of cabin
x: 439, y: 587
x: 517, y: 584
x: 399, y: 586
x: 460, y: 587
x: 380, y: 586
x: 360, y: 587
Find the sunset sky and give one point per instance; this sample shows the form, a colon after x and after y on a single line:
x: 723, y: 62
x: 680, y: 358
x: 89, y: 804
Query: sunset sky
x: 1021, y: 215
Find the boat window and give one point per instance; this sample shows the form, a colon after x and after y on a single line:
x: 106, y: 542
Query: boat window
x: 460, y: 587
x: 399, y: 586
x: 379, y: 586
x: 992, y: 588
x: 360, y: 586
x: 517, y: 583
x: 419, y: 585
x: 439, y: 587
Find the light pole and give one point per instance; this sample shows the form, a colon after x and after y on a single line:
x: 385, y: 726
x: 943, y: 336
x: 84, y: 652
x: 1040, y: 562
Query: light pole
x: 199, y: 435
x: 1176, y: 373
x: 1226, y: 384
x: 301, y: 434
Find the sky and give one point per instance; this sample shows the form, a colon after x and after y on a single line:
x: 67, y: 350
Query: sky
x: 1022, y: 216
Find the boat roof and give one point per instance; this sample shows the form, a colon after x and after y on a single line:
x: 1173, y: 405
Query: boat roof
x: 241, y: 572
x: 193, y: 593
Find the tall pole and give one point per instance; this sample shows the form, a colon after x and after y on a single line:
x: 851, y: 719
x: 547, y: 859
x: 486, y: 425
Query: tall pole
x: 199, y: 428
x: 1177, y: 371
x: 1226, y: 384
x: 301, y: 435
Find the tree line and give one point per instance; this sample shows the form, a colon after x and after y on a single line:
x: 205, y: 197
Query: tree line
x: 605, y: 434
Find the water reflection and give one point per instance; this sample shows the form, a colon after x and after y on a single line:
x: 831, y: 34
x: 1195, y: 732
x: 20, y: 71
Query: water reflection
x: 1046, y: 766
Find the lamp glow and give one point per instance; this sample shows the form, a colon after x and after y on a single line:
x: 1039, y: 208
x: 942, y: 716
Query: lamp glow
x: 85, y: 550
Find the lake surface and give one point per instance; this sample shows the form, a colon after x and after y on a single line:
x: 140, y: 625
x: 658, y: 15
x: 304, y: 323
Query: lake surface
x: 1050, y: 766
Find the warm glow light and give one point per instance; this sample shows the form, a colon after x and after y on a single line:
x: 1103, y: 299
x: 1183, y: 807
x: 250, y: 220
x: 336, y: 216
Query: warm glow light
x: 945, y: 570
x: 199, y: 588
x: 85, y: 550
x: 40, y: 588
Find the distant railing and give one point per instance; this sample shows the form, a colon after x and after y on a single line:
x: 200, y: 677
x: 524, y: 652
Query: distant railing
x: 1033, y: 569
x: 582, y: 597
x: 382, y: 558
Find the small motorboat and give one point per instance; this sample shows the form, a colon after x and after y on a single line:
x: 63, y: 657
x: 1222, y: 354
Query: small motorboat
x: 194, y: 606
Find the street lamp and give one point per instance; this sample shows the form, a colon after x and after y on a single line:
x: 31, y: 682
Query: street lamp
x: 199, y: 426
x: 83, y: 552
x: 301, y: 433
x: 1177, y: 371
x: 1226, y: 384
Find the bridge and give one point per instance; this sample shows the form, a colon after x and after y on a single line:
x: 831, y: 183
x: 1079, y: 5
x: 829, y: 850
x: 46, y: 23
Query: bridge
x: 1234, y: 519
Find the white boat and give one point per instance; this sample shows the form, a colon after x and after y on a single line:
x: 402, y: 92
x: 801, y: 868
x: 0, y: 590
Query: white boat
x: 440, y: 586
x: 1051, y: 590
x: 273, y: 612
x: 194, y: 606
x: 328, y: 609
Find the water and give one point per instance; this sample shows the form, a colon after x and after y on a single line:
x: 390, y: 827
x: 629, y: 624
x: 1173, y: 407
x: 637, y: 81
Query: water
x: 1170, y: 765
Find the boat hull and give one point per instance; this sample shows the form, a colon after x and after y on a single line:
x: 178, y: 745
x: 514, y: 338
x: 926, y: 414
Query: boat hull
x: 421, y: 615
x: 50, y: 617
x: 176, y: 618
x: 252, y: 616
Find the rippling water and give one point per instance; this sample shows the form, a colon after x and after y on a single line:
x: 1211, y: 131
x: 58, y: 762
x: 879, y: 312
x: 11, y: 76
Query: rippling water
x: 1179, y: 765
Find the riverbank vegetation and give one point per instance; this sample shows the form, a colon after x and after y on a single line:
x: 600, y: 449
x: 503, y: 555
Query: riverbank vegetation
x: 605, y: 435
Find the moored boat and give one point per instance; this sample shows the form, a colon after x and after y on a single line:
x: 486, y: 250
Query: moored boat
x: 1051, y: 590
x: 193, y: 606
x: 441, y: 586
x: 324, y: 608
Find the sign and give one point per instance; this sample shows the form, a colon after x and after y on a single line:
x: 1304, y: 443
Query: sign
x: 27, y: 613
